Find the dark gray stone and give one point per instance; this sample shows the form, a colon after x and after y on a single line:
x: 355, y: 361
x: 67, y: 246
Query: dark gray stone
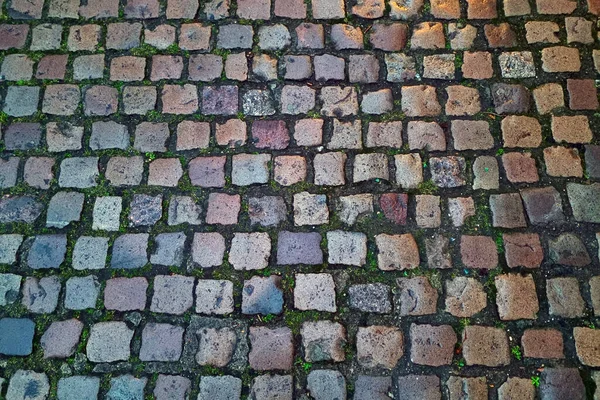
x: 543, y: 205
x: 372, y: 388
x: 182, y: 210
x: 130, y: 251
x: 78, y: 388
x: 90, y: 252
x: 64, y: 208
x: 109, y: 135
x: 145, y: 210
x: 374, y: 297
x: 173, y: 294
x: 280, y: 387
x: 16, y: 336
x: 511, y: 99
x: 325, y: 384
x: 267, y: 210
x: 10, y: 284
x: 78, y: 172
x: 419, y: 387
x: 235, y: 36
x: 561, y: 383
x: 161, y: 342
x: 169, y: 250
x: 23, y: 136
x: 568, y: 249
x: 19, y: 209
x: 47, y: 251
x: 585, y: 201
x: 299, y: 248
x: 220, y: 388
x: 262, y: 295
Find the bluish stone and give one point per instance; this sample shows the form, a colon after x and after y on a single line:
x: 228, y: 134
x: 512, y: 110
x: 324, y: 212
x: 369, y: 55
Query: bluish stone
x: 78, y: 388
x: 16, y: 336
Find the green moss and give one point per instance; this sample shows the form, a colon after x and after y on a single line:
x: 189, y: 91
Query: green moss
x: 516, y: 352
x: 427, y: 187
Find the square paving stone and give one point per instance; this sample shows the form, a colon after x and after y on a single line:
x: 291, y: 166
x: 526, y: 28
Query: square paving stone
x: 372, y: 387
x: 416, y: 296
x: 523, y: 250
x: 250, y: 250
x: 221, y: 100
x: 329, y: 169
x: 272, y: 349
x: 109, y: 342
x: 173, y: 294
x: 8, y: 172
x: 564, y: 297
x: 88, y: 67
x: 459, y: 386
x: 78, y: 387
x: 543, y: 205
x: 561, y: 383
x: 81, y: 292
x: 323, y: 341
x: 289, y: 170
x: 432, y: 345
x: 151, y: 136
x: 347, y: 248
x: 182, y: 210
x: 397, y: 252
x: 19, y: 209
x: 64, y: 208
x: 543, y: 343
x: 145, y: 210
x: 125, y: 294
x: 63, y: 136
x: 310, y: 209
x: 325, y: 384
x: 21, y: 101
x: 516, y: 297
x: 208, y: 249
x: 172, y: 387
x: 41, y: 295
x: 107, y: 213
x: 315, y: 292
x: 130, y: 251
x: 28, y: 385
x: 109, y: 135
x: 193, y: 135
x: 207, y: 172
x: 61, y: 99
x: 507, y: 211
x: 78, y: 172
x: 419, y: 387
x: 485, y: 345
x: 170, y: 249
x: 47, y: 251
x: 220, y: 388
x: 126, y: 387
x: 22, y: 136
x: 371, y: 297
x: 61, y: 338
x: 161, y: 342
x: 248, y: 169
x: 267, y: 210
x: 223, y: 209
x: 214, y: 297
x: 279, y: 387
x: 215, y: 346
x: 16, y: 336
x: 125, y: 171
x: 299, y: 248
x: 584, y: 201
x: 262, y: 295
x: 9, y: 245
x: 478, y: 252
x: 10, y: 286
x: 354, y: 207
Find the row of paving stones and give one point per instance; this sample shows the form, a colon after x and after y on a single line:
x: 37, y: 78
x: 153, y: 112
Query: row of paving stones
x: 464, y: 297
x: 333, y: 101
x: 407, y: 171
x: 200, y: 37
x: 294, y: 9
x: 323, y: 384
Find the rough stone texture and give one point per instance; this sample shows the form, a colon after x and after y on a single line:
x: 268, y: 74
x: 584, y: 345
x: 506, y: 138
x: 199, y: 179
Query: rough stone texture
x: 484, y: 345
x: 465, y: 297
x: 432, y: 345
x: 323, y: 341
x: 108, y: 342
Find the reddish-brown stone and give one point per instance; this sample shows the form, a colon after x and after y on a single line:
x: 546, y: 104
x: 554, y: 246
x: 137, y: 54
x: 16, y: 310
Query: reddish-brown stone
x: 394, y: 207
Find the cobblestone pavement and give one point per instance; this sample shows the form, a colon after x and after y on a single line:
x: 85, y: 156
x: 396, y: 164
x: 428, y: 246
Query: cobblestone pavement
x: 289, y: 199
